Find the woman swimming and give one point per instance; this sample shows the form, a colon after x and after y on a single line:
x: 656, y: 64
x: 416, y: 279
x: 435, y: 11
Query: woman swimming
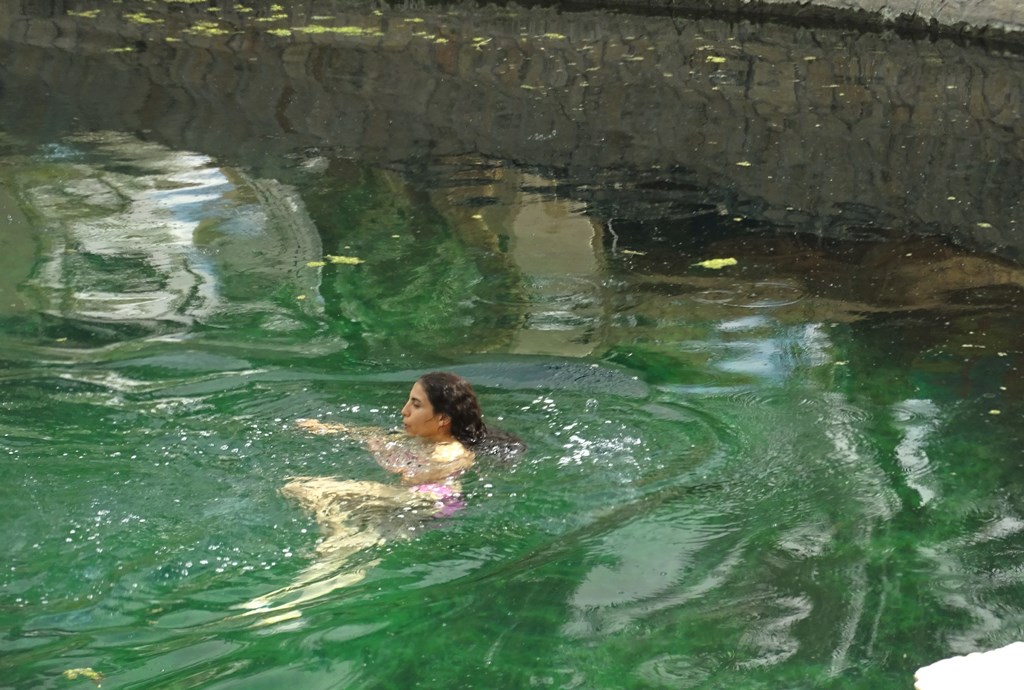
x: 443, y: 413
x: 444, y: 431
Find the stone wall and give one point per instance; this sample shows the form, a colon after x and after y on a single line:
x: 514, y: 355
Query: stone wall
x: 1007, y: 15
x: 975, y: 17
x: 817, y: 130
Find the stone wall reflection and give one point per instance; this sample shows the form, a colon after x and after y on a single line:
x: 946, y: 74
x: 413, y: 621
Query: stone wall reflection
x: 112, y: 236
x: 821, y: 131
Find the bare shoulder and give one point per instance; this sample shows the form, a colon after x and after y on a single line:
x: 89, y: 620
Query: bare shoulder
x: 454, y: 452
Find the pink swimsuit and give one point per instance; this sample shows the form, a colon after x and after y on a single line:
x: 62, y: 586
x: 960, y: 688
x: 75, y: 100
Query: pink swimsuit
x: 449, y: 500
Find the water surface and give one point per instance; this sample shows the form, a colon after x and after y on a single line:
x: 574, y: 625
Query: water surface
x: 800, y: 471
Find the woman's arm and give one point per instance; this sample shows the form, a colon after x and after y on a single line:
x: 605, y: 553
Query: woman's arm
x: 392, y: 454
x: 365, y: 434
x: 416, y: 465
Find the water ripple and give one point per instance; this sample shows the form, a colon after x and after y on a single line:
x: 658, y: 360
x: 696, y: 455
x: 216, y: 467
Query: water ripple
x: 760, y: 295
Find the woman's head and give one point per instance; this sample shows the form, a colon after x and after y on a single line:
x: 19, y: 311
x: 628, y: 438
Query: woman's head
x: 453, y: 408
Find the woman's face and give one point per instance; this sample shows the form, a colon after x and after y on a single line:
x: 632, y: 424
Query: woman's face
x: 419, y: 418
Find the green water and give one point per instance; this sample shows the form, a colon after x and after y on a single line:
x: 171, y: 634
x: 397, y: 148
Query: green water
x: 802, y: 471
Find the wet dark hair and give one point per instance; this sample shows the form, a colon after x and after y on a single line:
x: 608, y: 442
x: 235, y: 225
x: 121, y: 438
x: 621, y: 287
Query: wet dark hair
x: 453, y: 396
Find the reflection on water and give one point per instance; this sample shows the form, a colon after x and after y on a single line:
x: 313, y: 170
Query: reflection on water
x: 800, y: 470
x: 132, y: 235
x: 553, y: 246
x: 120, y: 243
